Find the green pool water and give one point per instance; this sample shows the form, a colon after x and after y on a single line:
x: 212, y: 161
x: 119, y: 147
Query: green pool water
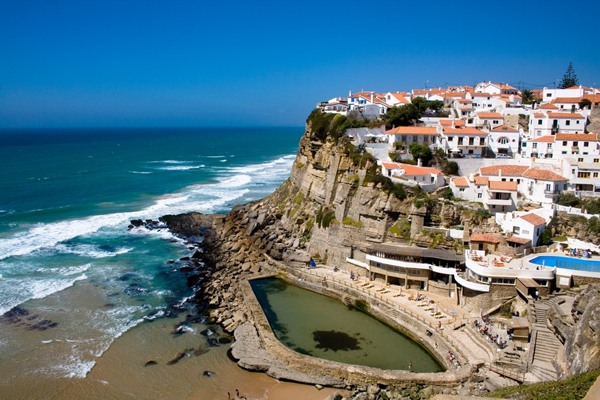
x: 319, y: 326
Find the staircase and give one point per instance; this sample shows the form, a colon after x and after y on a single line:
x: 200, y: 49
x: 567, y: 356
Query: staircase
x: 545, y: 346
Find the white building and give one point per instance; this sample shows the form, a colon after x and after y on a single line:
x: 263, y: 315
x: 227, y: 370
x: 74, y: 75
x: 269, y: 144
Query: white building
x: 551, y: 123
x: 463, y: 107
x: 525, y: 229
x: 489, y: 120
x: 581, y: 146
x: 404, y: 136
x: 465, y: 142
x: 427, y: 178
x: 495, y: 88
x: 504, y: 140
x: 397, y: 99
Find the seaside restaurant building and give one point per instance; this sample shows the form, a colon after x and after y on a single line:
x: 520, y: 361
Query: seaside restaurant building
x: 415, y: 267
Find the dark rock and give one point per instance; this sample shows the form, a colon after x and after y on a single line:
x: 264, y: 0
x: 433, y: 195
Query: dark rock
x: 184, y: 259
x: 149, y: 363
x: 208, y: 373
x: 177, y: 359
x: 137, y: 222
x: 135, y: 290
x: 207, y: 332
x: 200, y: 352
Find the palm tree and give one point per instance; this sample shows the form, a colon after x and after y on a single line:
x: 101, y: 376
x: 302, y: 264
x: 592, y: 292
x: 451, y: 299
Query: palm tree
x: 527, y: 96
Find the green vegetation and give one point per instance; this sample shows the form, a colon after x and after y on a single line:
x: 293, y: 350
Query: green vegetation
x: 446, y: 193
x: 299, y: 197
x: 350, y: 222
x: 569, y: 78
x: 573, y: 388
x: 361, y: 305
x: 401, y: 228
x: 325, y: 217
x: 559, y: 239
x: 334, y: 126
x: 528, y: 96
x: 421, y: 151
x: 354, y: 178
x: 359, y: 159
x: 546, y: 238
x: 447, y: 167
x: 585, y: 103
x: 299, y: 165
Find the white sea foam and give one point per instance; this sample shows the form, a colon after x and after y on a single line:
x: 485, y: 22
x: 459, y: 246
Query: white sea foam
x: 141, y: 172
x: 215, y: 156
x: 171, y: 162
x: 82, y: 249
x: 205, y: 198
x: 223, y: 160
x: 17, y: 291
x: 181, y: 167
x: 66, y: 271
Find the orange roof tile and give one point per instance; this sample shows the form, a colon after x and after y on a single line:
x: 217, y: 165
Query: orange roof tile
x: 464, y: 100
x: 504, y: 128
x: 448, y: 122
x: 501, y: 185
x: 465, y: 108
x: 401, y: 97
x: 533, y: 219
x: 566, y: 100
x: 481, y: 180
x: 594, y: 98
x: 565, y: 115
x: 415, y: 170
x: 481, y: 94
x: 548, y: 106
x: 464, y: 131
x: 539, y: 115
x: 490, y: 115
x: 519, y: 240
x: 505, y: 170
x: 590, y: 137
x: 413, y: 130
x: 389, y: 165
x: 460, y: 182
x: 544, y: 139
x: 484, y: 237
x: 543, y: 174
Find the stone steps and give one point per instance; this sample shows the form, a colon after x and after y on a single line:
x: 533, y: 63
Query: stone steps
x: 479, y: 341
x: 546, y: 345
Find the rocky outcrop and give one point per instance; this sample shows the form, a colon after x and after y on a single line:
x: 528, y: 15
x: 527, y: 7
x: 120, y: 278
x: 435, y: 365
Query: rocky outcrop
x: 582, y: 345
x: 574, y: 226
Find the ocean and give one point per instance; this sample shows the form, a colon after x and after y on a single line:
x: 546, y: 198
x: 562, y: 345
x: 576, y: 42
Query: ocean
x: 88, y: 306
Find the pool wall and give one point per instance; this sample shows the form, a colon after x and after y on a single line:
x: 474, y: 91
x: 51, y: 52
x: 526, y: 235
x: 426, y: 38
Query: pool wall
x: 287, y: 364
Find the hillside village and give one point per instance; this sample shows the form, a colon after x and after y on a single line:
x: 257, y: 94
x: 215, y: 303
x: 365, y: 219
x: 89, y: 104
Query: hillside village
x: 515, y: 159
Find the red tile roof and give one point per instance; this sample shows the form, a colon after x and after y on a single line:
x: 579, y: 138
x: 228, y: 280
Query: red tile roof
x: 504, y: 128
x: 448, y: 122
x: 543, y: 174
x: 519, y: 240
x: 533, y: 219
x: 490, y: 115
x: 460, y: 182
x: 481, y: 180
x: 413, y: 130
x: 566, y: 100
x: 591, y: 137
x: 463, y: 131
x: 505, y: 170
x: 539, y: 115
x: 565, y: 115
x: 414, y: 170
x: 484, y: 237
x: 389, y: 165
x: 401, y: 97
x: 544, y: 139
x: 500, y: 185
x: 548, y: 106
x: 464, y: 100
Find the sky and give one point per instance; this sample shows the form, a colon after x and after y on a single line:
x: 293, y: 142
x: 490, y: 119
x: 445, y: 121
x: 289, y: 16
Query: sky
x: 257, y: 63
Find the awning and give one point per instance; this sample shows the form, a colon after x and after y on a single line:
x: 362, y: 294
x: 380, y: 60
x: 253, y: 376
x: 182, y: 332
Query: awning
x: 529, y: 283
x: 518, y: 240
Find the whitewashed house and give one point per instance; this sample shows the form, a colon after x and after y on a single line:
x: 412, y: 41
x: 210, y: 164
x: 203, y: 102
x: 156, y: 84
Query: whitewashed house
x: 463, y: 107
x: 583, y: 147
x: 427, y: 178
x: 465, y: 142
x: 495, y: 195
x: 548, y: 95
x: 403, y: 136
x: 397, y: 99
x: 489, y: 120
x: 495, y: 88
x: 504, y: 140
x: 526, y: 229
x: 551, y: 123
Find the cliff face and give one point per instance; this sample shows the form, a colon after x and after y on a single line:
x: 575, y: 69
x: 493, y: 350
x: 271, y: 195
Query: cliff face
x: 582, y: 346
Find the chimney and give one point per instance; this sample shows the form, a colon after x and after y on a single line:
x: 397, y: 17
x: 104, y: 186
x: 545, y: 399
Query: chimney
x: 371, y: 97
x: 419, y: 163
x: 350, y: 94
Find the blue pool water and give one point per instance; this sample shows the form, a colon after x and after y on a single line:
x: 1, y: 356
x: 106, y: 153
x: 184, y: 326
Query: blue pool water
x: 567, y: 263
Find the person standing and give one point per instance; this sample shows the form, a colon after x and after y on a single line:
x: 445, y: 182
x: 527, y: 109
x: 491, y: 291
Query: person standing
x: 410, y: 366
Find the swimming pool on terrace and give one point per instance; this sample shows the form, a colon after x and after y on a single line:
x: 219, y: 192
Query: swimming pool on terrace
x: 567, y: 263
x: 319, y: 326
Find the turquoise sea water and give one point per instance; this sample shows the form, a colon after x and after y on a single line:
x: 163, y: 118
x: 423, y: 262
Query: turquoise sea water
x: 66, y: 255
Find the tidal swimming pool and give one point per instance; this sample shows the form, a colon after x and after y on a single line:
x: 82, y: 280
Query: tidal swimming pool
x: 567, y: 263
x: 319, y: 326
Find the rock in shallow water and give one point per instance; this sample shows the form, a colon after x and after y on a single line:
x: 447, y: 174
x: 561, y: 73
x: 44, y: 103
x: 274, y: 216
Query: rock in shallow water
x: 208, y: 373
x: 149, y: 363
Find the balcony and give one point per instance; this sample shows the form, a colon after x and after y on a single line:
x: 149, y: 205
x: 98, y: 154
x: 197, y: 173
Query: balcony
x: 500, y: 202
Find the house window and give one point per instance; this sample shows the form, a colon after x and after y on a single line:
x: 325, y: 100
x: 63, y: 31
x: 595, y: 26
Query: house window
x: 494, y: 122
x: 548, y: 94
x: 462, y: 189
x: 549, y: 146
x: 580, y: 160
x: 539, y: 121
x: 595, y: 174
x: 568, y: 122
x: 479, y: 195
x: 596, y: 160
x: 583, y: 174
x: 548, y: 187
x: 516, y: 230
x: 535, y: 146
x: 565, y: 143
x: 503, y: 140
x: 577, y: 122
x: 586, y: 144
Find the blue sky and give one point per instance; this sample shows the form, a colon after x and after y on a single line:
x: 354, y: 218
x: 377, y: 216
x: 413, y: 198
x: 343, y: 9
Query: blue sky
x: 256, y: 63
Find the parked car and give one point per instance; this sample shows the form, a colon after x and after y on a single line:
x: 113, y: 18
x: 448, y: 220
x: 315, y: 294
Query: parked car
x: 502, y: 155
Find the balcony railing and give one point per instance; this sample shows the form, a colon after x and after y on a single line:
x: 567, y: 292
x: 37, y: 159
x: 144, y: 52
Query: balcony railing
x: 500, y: 202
